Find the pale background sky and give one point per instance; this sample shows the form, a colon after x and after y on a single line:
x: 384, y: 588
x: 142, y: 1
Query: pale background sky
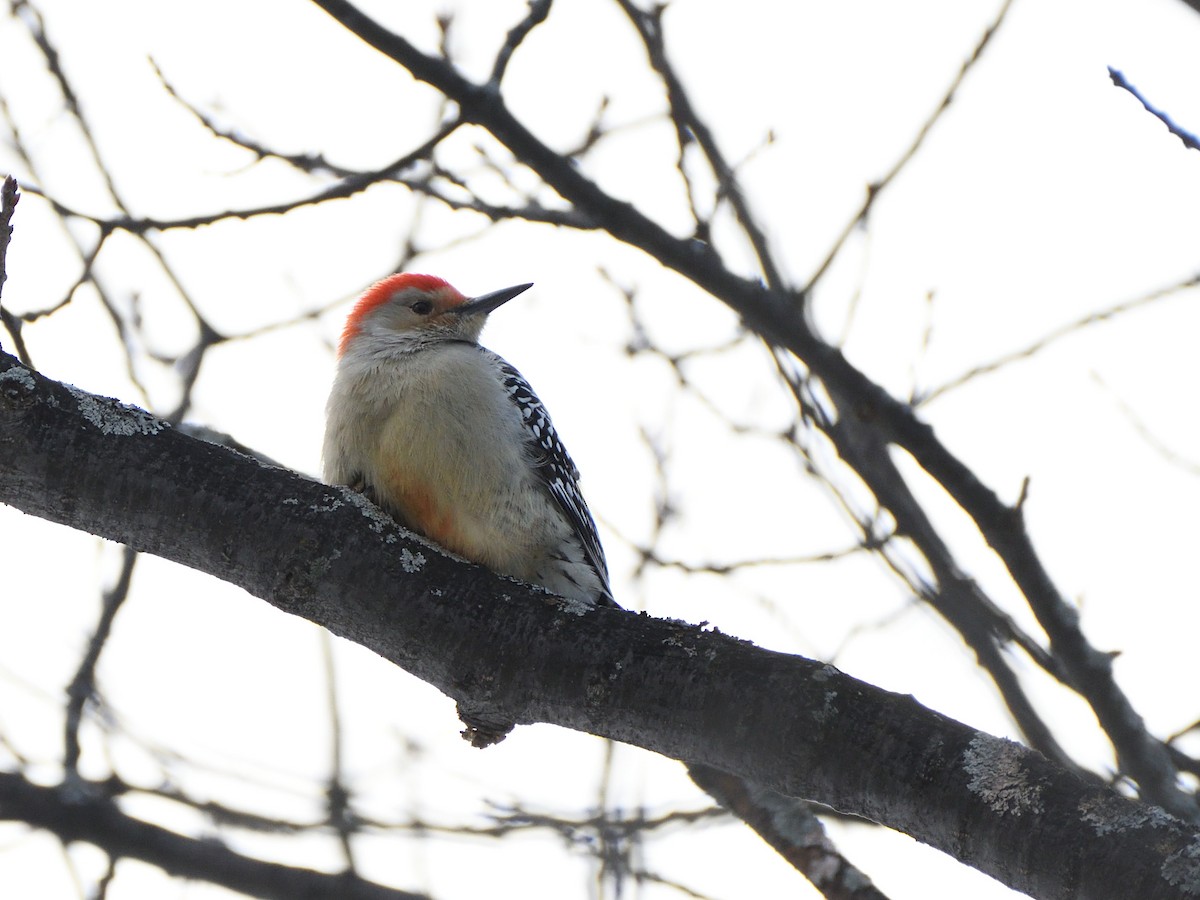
x: 1043, y: 195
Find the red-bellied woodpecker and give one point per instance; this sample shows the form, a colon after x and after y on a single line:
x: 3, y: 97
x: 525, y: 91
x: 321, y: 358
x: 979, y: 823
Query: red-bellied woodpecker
x: 451, y: 440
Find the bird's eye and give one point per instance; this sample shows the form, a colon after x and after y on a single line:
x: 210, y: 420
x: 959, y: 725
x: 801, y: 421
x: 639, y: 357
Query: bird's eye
x: 422, y: 307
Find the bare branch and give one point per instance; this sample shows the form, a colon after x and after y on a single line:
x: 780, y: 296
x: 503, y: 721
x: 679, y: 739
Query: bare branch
x: 347, y: 187
x: 310, y: 163
x: 9, y: 197
x: 1172, y: 456
x: 956, y: 597
x: 341, y: 815
x: 1035, y: 347
x: 530, y: 212
x: 794, y: 831
x: 875, y: 189
x: 83, y: 686
x: 688, y: 124
x: 125, y: 329
x: 87, y: 811
x: 1189, y: 140
x: 538, y: 10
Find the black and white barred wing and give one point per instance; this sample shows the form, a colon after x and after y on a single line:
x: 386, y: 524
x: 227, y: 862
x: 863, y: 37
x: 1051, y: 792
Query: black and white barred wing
x: 556, y: 468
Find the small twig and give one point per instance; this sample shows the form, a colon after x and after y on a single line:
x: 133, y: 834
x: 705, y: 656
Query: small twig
x: 10, y: 195
x: 1191, y: 466
x: 538, y: 10
x: 83, y: 685
x: 1189, y: 140
x: 346, y: 187
x: 86, y: 812
x: 311, y: 163
x: 531, y: 212
x: 792, y: 828
x: 649, y: 555
x: 876, y: 188
x: 1102, y: 315
x: 338, y: 805
x: 1019, y: 506
x: 689, y: 126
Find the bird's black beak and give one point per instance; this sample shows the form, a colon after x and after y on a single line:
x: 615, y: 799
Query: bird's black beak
x: 485, y: 303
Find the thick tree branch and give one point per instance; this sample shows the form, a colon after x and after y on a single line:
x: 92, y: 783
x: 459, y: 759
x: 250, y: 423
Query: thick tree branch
x: 511, y: 653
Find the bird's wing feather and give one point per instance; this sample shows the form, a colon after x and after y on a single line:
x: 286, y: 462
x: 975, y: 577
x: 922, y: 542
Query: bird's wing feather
x: 555, y: 467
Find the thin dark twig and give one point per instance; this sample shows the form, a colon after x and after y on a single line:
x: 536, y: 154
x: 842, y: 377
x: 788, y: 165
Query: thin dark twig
x: 1029, y: 350
x: 874, y: 190
x: 125, y: 328
x: 649, y: 555
x: 337, y: 795
x: 1189, y: 140
x: 83, y: 685
x: 106, y: 880
x: 532, y: 211
x: 13, y: 323
x: 595, y: 132
x: 509, y: 820
x: 687, y: 121
x: 84, y: 277
x: 139, y: 225
x: 312, y: 163
x: 1172, y: 456
x: 645, y: 876
x: 9, y: 197
x: 87, y: 812
x: 347, y: 187
x: 37, y: 30
x: 504, y: 821
x: 538, y: 10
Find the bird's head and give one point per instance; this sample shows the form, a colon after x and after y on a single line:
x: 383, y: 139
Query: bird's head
x: 423, y: 307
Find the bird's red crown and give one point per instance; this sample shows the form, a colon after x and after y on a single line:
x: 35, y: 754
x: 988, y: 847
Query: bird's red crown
x: 388, y: 289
